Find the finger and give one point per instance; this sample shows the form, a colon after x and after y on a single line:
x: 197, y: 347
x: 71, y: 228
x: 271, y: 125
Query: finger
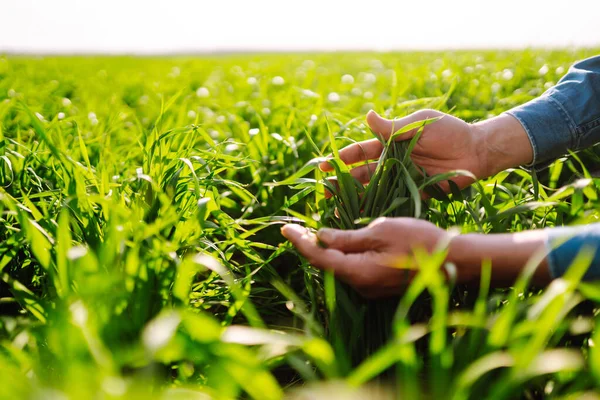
x: 351, y: 241
x: 385, y: 127
x: 364, y: 173
x: 323, y: 258
x: 361, y: 151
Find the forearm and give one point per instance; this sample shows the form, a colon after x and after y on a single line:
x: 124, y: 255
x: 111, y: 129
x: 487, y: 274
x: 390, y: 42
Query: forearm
x: 508, y: 254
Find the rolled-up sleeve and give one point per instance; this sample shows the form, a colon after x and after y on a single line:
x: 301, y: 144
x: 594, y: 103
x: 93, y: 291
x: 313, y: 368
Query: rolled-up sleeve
x: 566, y: 116
x: 565, y: 243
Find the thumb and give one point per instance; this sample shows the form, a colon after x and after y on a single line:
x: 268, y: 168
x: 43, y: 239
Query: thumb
x: 351, y: 241
x: 385, y: 127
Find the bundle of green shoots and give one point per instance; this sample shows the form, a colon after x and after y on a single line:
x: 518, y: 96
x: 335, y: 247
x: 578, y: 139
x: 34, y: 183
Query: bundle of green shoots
x: 392, y: 191
x: 359, y: 326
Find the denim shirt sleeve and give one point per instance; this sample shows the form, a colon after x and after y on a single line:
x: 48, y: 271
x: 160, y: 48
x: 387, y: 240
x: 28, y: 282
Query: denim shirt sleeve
x: 565, y: 243
x: 566, y: 116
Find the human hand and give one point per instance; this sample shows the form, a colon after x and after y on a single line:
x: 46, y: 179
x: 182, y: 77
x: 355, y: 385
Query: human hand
x: 378, y: 260
x: 448, y: 144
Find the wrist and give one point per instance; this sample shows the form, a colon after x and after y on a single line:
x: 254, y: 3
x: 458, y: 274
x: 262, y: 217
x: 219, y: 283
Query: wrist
x: 502, y: 143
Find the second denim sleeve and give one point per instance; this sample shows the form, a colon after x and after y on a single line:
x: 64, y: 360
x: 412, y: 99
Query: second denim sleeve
x: 567, y: 116
x: 565, y: 243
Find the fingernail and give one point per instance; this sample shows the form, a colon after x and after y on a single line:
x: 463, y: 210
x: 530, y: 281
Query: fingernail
x: 286, y: 230
x: 326, y: 234
x: 291, y: 230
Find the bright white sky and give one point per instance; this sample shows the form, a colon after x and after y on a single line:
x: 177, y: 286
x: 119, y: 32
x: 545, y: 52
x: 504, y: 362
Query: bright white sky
x: 157, y: 26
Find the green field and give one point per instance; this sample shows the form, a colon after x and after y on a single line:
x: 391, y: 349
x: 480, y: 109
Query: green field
x: 140, y: 245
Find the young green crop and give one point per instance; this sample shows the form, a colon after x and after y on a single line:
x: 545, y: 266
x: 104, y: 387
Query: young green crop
x: 140, y: 255
x: 359, y: 327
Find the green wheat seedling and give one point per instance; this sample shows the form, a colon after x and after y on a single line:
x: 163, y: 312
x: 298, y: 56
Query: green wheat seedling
x: 392, y: 191
x: 359, y: 326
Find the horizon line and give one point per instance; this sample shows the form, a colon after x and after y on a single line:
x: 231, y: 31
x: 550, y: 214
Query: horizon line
x: 250, y: 51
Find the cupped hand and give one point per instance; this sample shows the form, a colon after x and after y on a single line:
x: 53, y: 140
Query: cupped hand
x: 445, y: 145
x: 377, y: 260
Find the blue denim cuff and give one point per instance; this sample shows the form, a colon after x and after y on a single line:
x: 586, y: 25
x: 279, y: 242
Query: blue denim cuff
x: 565, y: 243
x: 549, y: 127
x: 567, y: 116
